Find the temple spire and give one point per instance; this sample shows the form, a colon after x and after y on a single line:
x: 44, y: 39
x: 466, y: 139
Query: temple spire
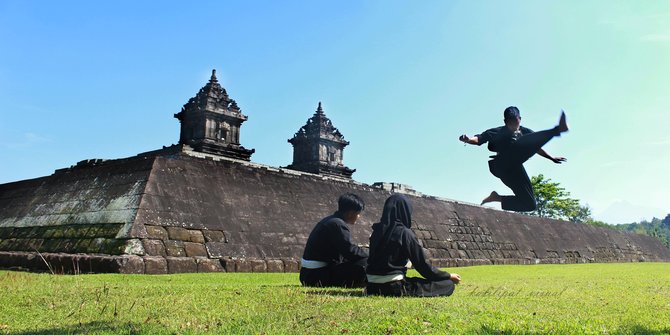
x: 318, y: 147
x: 211, y: 121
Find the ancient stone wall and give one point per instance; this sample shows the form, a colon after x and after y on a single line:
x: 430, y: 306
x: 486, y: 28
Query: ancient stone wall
x: 175, y: 211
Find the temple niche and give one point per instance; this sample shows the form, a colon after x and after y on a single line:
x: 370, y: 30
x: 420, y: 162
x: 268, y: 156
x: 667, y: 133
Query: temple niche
x: 318, y: 147
x: 211, y: 121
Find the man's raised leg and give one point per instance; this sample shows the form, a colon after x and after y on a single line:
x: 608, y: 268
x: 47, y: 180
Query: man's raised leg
x: 528, y: 145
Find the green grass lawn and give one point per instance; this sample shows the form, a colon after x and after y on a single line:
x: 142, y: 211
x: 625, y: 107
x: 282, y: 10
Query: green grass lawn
x: 630, y: 298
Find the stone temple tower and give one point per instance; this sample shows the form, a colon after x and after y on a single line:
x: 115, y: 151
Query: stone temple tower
x: 318, y: 146
x: 210, y: 122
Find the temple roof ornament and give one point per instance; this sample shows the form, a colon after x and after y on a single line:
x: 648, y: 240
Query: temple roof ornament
x: 318, y: 147
x: 211, y: 121
x: 319, y: 127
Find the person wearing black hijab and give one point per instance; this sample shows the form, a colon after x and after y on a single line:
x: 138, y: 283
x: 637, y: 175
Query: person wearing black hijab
x: 392, y: 244
x: 330, y: 257
x: 514, y: 145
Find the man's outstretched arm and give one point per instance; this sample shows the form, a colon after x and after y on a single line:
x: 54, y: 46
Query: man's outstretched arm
x: 557, y: 160
x: 469, y: 140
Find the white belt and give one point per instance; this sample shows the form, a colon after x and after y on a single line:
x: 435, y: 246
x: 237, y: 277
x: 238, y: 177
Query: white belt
x: 381, y: 279
x: 310, y: 264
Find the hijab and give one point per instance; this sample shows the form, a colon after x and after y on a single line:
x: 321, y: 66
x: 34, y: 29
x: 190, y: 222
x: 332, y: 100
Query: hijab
x: 396, y: 217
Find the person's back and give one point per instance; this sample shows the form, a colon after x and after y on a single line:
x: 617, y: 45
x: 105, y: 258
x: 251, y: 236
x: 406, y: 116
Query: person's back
x: 328, y: 242
x: 330, y: 257
x: 392, y: 244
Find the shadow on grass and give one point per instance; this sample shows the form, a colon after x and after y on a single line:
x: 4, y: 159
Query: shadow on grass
x: 634, y: 329
x: 96, y: 327
x: 336, y: 292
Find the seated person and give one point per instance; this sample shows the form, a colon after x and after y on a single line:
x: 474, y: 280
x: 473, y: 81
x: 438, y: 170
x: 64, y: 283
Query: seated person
x: 392, y: 244
x: 330, y: 257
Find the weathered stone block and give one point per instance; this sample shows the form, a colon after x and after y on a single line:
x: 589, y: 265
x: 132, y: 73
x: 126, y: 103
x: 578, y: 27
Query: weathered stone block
x: 178, y: 233
x: 258, y: 265
x: 110, y: 230
x: 436, y: 244
x: 181, y: 265
x: 291, y: 265
x: 4, y: 244
x: 155, y: 265
x: 175, y: 248
x: 216, y: 249
x: 209, y: 265
x: 439, y: 253
x: 195, y: 249
x: 21, y: 233
x: 130, y: 264
x: 156, y: 232
x: 461, y: 254
x: 17, y: 244
x: 6, y: 232
x: 196, y: 236
x: 228, y: 264
x: 289, y: 240
x: 134, y: 247
x: 76, y: 231
x: 243, y: 265
x: 301, y: 239
x: 275, y: 265
x: 68, y: 245
x: 84, y: 245
x: 101, y: 245
x: 213, y: 236
x: 154, y: 247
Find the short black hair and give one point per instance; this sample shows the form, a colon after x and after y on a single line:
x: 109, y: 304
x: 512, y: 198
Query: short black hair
x: 511, y: 113
x: 350, y: 202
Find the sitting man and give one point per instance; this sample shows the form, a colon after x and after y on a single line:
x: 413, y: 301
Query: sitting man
x: 330, y: 257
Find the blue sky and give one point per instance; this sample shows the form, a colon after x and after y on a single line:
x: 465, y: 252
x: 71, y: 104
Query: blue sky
x: 401, y: 80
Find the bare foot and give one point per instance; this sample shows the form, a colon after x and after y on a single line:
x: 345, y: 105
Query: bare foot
x: 562, y: 123
x: 493, y: 197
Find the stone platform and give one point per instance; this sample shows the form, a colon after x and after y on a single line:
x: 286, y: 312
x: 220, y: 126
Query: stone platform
x: 176, y: 210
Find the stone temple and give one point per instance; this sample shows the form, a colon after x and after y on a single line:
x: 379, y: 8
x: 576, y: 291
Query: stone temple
x: 202, y: 206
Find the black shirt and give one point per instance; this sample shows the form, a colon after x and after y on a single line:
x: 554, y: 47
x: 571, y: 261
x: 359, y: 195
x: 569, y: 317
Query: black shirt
x: 330, y: 241
x: 393, y: 260
x: 501, y: 138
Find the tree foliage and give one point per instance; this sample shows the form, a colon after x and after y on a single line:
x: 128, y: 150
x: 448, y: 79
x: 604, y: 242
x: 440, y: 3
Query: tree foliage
x: 656, y: 227
x: 553, y: 201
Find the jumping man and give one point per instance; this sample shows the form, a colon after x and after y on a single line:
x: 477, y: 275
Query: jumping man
x: 514, y: 145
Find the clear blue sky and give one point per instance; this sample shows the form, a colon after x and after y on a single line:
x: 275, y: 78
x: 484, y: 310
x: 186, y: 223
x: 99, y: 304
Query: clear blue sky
x: 401, y: 80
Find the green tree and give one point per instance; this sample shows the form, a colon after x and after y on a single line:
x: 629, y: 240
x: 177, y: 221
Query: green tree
x: 578, y: 213
x: 666, y: 222
x: 553, y: 201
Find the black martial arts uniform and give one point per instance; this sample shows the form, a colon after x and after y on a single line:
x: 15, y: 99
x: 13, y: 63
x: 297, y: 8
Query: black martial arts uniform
x: 392, y: 243
x: 514, y: 148
x: 343, y: 262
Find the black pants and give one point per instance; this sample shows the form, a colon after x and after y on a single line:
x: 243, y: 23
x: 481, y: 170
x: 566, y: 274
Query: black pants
x: 508, y: 166
x: 347, y: 274
x: 413, y: 287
